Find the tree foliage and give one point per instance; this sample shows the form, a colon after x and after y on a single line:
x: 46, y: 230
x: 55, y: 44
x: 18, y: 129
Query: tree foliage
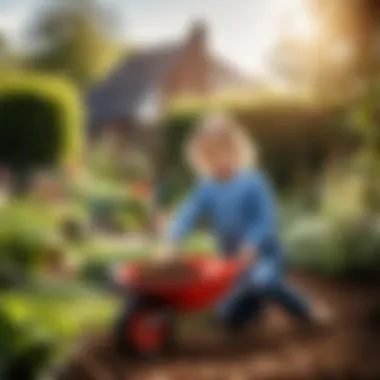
x: 75, y: 39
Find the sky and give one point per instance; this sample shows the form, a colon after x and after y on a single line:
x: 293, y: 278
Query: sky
x: 243, y: 31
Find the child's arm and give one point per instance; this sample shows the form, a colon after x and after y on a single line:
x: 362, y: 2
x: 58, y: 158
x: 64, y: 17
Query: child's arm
x: 189, y: 214
x: 264, y: 223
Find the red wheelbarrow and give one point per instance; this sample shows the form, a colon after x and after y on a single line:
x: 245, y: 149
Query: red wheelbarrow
x: 155, y: 294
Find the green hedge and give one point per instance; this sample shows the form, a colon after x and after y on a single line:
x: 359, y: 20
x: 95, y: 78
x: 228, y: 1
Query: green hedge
x: 289, y: 134
x: 40, y: 122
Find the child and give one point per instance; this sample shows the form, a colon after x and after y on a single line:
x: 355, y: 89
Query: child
x: 238, y: 202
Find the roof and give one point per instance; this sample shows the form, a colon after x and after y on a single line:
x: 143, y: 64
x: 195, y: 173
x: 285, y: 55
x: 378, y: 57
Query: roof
x: 225, y: 74
x: 122, y: 91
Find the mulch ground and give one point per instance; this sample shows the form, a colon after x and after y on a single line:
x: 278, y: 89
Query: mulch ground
x: 274, y: 349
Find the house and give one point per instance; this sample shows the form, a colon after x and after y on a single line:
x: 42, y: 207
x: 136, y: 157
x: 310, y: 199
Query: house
x: 135, y: 93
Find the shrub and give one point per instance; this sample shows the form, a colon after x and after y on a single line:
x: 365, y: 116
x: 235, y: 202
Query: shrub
x: 74, y: 230
x: 22, y: 356
x: 96, y: 273
x: 119, y: 212
x: 310, y: 244
x: 26, y: 237
x: 37, y: 328
x: 334, y: 246
x: 360, y: 240
x: 40, y: 123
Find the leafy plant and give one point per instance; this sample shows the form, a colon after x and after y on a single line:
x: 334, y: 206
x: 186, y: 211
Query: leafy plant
x: 27, y: 235
x: 37, y: 330
x: 35, y: 109
x: 333, y: 245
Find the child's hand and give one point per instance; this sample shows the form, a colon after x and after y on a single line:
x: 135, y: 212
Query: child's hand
x: 248, y: 254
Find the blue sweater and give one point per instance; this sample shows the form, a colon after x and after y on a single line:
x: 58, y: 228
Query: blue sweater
x: 240, y: 210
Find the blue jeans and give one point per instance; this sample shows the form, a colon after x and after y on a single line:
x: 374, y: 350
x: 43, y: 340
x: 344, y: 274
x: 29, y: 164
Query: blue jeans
x: 264, y: 281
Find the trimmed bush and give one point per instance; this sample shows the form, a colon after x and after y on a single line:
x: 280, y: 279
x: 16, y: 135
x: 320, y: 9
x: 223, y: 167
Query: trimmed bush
x: 40, y: 123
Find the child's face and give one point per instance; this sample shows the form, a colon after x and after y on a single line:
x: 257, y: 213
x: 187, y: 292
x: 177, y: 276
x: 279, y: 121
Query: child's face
x: 219, y: 153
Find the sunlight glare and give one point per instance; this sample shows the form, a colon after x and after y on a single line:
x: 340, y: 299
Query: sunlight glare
x: 282, y: 19
x: 300, y: 20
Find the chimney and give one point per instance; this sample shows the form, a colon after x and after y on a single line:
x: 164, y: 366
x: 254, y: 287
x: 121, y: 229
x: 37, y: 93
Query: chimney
x: 195, y: 70
x: 198, y: 35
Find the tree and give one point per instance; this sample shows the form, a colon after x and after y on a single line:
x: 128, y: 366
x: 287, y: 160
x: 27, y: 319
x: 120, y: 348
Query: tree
x: 75, y: 39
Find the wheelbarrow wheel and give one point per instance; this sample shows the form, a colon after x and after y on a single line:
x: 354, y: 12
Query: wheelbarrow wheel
x: 144, y: 329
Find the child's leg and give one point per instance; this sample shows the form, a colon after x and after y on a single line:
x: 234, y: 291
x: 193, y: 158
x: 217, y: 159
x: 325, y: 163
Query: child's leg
x: 298, y: 307
x: 266, y: 280
x: 258, y: 282
x: 316, y: 314
x: 240, y: 304
x: 291, y: 300
x: 245, y: 311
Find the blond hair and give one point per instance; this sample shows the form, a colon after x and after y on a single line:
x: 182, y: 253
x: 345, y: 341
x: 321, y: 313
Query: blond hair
x: 220, y: 125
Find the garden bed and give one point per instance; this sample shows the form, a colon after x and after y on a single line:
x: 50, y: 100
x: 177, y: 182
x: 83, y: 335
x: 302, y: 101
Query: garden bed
x: 279, y: 349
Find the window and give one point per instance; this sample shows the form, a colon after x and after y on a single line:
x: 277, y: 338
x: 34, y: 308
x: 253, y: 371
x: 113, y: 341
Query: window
x: 149, y: 108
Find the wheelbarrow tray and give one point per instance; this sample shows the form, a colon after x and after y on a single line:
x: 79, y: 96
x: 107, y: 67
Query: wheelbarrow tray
x: 190, y: 284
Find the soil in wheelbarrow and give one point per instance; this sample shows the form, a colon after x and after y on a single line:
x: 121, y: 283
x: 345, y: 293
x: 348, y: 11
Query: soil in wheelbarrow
x: 171, y: 274
x: 276, y: 348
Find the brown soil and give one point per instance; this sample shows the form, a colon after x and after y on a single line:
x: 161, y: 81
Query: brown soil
x: 275, y: 349
x: 172, y: 274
